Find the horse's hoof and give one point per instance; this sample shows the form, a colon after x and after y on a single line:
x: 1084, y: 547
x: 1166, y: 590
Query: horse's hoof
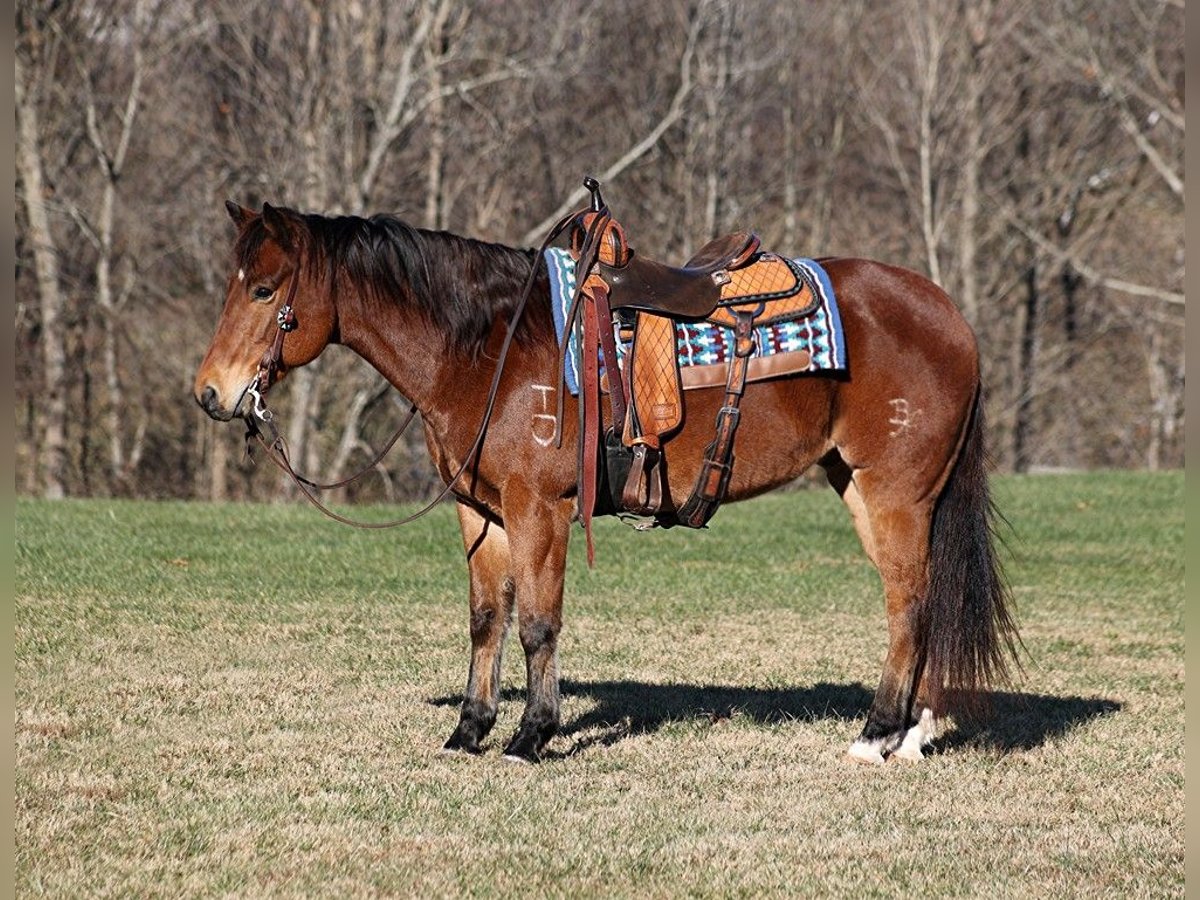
x: 518, y: 760
x: 908, y: 753
x: 867, y: 752
x: 449, y: 750
x: 523, y: 751
x: 920, y: 735
x: 456, y: 746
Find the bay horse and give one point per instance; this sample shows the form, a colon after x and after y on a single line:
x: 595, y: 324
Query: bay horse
x: 900, y: 437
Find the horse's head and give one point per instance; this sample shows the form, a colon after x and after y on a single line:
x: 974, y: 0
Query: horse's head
x: 271, y: 271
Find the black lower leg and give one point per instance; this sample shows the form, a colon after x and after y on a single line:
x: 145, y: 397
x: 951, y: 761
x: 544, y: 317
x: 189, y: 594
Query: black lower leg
x: 540, y: 719
x: 478, y: 713
x: 892, y: 712
x: 474, y: 722
x: 538, y: 725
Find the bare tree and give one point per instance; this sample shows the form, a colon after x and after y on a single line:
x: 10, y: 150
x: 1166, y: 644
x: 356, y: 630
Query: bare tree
x: 32, y: 70
x: 110, y: 146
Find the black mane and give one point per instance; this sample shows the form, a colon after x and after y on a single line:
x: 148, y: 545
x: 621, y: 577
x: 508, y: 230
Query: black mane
x: 459, y: 283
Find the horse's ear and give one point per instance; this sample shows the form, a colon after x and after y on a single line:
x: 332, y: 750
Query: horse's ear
x: 239, y: 214
x: 277, y: 226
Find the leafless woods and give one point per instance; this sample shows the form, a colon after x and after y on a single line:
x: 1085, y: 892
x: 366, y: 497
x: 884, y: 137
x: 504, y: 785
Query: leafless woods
x: 1026, y: 155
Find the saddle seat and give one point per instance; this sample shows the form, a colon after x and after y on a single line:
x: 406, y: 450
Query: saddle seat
x: 691, y: 291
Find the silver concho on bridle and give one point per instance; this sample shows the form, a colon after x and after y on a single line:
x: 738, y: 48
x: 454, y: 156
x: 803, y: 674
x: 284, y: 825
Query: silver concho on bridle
x: 286, y: 317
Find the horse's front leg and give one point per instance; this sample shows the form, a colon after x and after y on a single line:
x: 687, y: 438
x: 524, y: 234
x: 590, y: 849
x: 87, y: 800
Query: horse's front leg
x: 538, y: 531
x: 491, y: 607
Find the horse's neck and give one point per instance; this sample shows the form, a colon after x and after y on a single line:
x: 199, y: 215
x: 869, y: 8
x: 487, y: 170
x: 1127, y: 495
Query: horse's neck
x: 404, y: 348
x: 422, y: 363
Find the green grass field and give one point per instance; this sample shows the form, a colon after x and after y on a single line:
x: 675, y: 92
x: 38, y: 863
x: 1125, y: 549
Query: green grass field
x: 249, y: 700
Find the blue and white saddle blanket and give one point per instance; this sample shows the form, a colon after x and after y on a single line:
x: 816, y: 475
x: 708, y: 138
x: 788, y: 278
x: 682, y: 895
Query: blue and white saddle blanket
x: 706, y: 344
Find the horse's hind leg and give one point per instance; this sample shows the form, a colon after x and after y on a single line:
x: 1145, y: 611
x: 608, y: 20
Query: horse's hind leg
x: 900, y: 532
x: 841, y: 479
x: 491, y: 607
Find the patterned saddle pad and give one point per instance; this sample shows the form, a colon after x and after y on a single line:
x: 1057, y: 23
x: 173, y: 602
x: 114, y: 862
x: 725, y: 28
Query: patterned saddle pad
x: 705, y: 348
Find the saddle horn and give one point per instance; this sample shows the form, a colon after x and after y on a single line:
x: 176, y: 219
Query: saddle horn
x: 594, y: 186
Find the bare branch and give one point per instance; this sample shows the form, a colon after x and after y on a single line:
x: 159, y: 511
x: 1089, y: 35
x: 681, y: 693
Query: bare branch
x: 391, y: 128
x: 1090, y: 273
x: 674, y: 111
x: 1130, y: 126
x: 461, y: 89
x: 81, y: 221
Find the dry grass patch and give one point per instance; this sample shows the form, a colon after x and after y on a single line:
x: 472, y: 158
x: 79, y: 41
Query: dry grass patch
x: 194, y: 730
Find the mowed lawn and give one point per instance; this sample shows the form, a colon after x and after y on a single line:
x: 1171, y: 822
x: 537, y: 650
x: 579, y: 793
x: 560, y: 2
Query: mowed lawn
x: 250, y: 700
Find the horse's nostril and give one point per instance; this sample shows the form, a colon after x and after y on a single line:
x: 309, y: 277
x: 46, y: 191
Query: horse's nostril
x: 208, y: 399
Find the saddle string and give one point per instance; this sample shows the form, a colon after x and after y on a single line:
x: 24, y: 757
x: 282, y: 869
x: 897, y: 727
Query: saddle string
x: 588, y: 254
x: 575, y: 321
x: 276, y: 448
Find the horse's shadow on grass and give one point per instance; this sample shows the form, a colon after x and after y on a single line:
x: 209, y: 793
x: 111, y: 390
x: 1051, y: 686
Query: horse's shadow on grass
x: 1009, y: 721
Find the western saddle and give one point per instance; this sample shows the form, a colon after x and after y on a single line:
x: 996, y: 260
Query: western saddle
x: 728, y: 282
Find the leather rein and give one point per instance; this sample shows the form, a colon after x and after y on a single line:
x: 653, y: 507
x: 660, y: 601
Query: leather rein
x: 259, y: 418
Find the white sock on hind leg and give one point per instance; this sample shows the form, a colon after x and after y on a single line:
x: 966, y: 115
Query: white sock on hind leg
x: 920, y: 735
x: 867, y: 751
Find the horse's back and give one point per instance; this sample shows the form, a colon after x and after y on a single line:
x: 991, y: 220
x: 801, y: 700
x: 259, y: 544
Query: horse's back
x: 883, y: 304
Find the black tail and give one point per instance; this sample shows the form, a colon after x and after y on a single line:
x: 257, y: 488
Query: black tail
x: 966, y: 624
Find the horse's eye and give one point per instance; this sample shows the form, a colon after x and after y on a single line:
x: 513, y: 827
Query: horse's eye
x: 263, y: 293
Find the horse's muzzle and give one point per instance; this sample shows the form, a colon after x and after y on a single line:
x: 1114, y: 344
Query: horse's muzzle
x: 210, y: 402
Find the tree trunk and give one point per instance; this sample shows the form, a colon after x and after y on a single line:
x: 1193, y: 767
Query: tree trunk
x: 112, y: 166
x: 716, y: 123
x: 791, y: 202
x: 1027, y: 360
x: 823, y: 201
x: 1163, y: 420
x: 436, y: 129
x: 218, y: 462
x: 114, y: 401
x: 304, y: 380
x: 972, y: 152
x: 928, y: 57
x: 53, y: 452
x: 1072, y: 432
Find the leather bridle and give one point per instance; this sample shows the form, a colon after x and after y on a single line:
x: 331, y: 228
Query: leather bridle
x: 260, y: 418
